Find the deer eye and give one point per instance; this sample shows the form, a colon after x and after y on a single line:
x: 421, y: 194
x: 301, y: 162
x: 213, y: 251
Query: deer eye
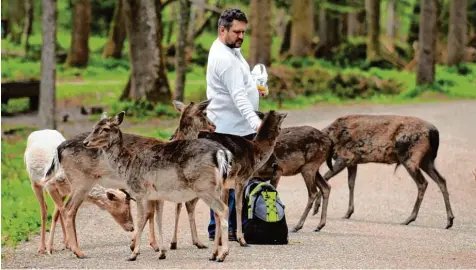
x: 105, y: 130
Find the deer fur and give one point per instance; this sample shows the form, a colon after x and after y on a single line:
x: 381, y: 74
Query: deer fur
x: 88, y: 166
x: 39, y: 154
x: 388, y: 139
x: 176, y: 171
x: 302, y: 149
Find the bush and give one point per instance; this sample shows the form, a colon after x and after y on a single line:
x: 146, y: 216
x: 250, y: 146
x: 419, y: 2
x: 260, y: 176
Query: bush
x: 143, y: 109
x: 351, y: 86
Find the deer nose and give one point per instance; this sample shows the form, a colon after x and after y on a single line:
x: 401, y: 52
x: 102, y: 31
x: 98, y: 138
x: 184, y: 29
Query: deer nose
x: 85, y: 143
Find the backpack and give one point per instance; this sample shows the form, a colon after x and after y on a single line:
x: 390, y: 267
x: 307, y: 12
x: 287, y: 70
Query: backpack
x: 264, y: 221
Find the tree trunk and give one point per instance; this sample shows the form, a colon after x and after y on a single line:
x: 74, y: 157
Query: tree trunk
x: 261, y: 33
x: 27, y: 28
x: 302, y: 13
x: 457, y: 36
x: 144, y: 29
x: 352, y: 24
x: 171, y: 23
x: 427, y: 42
x: 286, y: 43
x: 78, y: 55
x: 48, y: 66
x: 16, y: 15
x: 329, y: 31
x: 372, y: 8
x: 117, y: 34
x: 181, y: 46
x: 392, y: 23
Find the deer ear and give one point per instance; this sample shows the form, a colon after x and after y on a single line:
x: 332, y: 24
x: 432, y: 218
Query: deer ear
x: 103, y: 115
x: 204, y: 104
x: 119, y: 118
x: 260, y: 114
x: 179, y: 106
x: 110, y: 196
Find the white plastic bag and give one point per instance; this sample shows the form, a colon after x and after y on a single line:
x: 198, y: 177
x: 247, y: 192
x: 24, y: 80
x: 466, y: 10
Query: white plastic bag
x: 260, y: 76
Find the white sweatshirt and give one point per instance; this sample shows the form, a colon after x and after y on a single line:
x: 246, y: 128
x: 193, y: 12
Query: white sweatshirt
x: 233, y: 92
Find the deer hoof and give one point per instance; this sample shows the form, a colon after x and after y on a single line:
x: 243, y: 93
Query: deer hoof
x: 131, y: 259
x: 450, y: 223
x: 243, y: 243
x: 173, y: 246
x: 317, y: 230
x: 294, y: 230
x: 80, y: 255
x: 213, y: 257
x: 162, y: 256
x: 200, y: 246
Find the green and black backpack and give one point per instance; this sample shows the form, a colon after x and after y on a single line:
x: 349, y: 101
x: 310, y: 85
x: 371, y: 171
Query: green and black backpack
x: 264, y: 221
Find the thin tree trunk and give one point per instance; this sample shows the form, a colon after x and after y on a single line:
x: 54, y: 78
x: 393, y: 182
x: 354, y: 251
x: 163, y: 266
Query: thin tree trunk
x: 372, y: 8
x: 457, y: 36
x: 392, y: 23
x: 117, y: 34
x: 16, y: 15
x: 181, y: 46
x: 427, y: 42
x: 78, y: 55
x: 144, y: 30
x: 352, y: 24
x: 170, y: 25
x: 48, y: 66
x: 302, y: 13
x: 261, y: 32
x: 329, y: 31
x: 27, y: 28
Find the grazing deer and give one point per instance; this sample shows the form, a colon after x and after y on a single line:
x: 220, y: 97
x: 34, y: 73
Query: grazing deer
x: 86, y: 166
x: 39, y: 153
x: 302, y: 149
x: 176, y: 171
x: 388, y: 139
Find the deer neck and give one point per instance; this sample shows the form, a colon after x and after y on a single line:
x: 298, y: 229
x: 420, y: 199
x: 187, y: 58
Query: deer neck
x: 117, y: 155
x: 185, y: 134
x: 263, y: 150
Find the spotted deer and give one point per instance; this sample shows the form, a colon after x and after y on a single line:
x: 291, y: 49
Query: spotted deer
x: 39, y: 153
x: 388, y: 139
x: 86, y: 166
x: 302, y: 149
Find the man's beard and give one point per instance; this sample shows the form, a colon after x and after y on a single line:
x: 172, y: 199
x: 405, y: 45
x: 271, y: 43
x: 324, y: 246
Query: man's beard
x: 233, y: 45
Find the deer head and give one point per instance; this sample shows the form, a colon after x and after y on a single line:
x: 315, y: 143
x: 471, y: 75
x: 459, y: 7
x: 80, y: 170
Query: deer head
x: 118, y: 205
x: 193, y: 119
x: 270, y: 126
x: 105, y: 132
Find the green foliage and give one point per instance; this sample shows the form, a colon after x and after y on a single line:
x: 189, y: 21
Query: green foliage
x: 143, y: 109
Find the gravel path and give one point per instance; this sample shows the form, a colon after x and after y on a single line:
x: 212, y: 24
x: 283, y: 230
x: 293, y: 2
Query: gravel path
x: 372, y: 238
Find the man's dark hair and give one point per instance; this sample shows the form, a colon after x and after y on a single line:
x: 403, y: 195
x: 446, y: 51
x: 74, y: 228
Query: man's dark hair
x: 227, y: 17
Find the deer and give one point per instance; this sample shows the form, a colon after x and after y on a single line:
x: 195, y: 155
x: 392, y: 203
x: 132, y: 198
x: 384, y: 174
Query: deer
x: 387, y: 139
x: 174, y: 171
x: 302, y: 149
x: 39, y: 153
x: 88, y: 166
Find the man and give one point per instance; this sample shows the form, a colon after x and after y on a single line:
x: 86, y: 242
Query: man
x: 234, y: 94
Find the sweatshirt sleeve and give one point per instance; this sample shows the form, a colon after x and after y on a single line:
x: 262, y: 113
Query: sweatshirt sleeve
x: 232, y: 77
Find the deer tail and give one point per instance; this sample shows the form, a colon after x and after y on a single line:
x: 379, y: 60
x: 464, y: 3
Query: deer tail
x: 52, y: 170
x: 224, y: 159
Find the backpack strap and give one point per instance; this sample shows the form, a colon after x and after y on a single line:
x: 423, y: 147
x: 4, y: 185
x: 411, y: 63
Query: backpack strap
x: 255, y: 190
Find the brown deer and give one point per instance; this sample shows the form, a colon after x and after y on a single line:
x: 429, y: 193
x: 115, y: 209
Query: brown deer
x: 86, y: 166
x: 39, y: 153
x: 388, y: 139
x: 175, y: 171
x: 302, y: 149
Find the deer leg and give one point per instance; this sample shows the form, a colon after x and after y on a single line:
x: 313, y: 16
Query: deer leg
x: 275, y: 180
x: 325, y: 190
x: 421, y: 183
x: 151, y: 208
x: 220, y: 210
x: 308, y: 174
x: 339, y: 165
x: 43, y: 214
x: 160, y: 210
x: 58, y: 200
x: 351, y: 174
x: 239, y: 206
x: 141, y: 221
x: 178, y: 209
x: 190, y: 205
x: 69, y: 212
x: 430, y: 169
